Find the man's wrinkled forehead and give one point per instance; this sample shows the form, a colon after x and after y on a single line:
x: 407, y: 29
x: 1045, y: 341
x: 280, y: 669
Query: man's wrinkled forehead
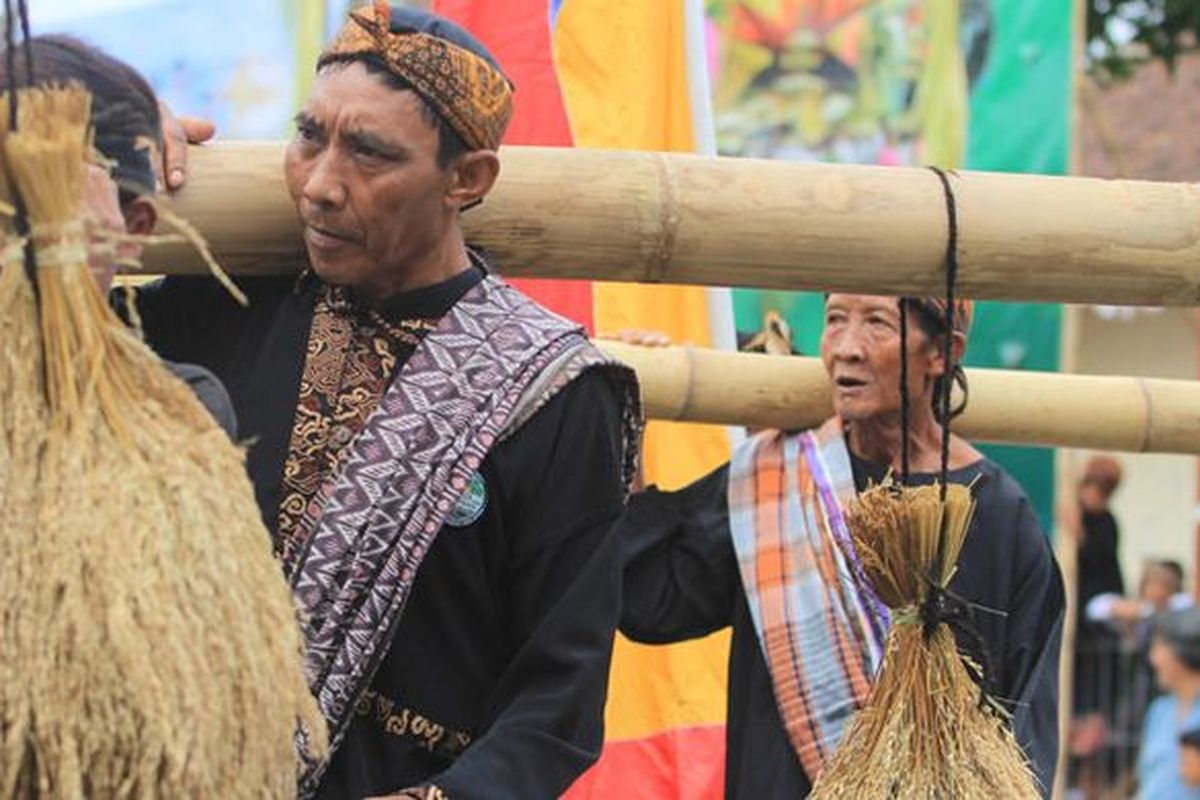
x: 370, y: 105
x: 865, y: 302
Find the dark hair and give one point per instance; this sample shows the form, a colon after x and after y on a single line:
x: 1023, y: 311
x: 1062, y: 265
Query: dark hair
x: 450, y: 144
x: 1174, y: 567
x: 1103, y: 472
x: 1180, y: 630
x: 124, y: 107
x: 1190, y: 738
x: 934, y: 327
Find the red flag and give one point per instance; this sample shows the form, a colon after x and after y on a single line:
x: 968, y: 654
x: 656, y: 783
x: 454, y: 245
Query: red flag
x: 517, y: 32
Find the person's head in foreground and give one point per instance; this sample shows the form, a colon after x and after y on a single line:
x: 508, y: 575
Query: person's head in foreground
x: 860, y: 347
x: 397, y: 137
x: 1175, y: 656
x: 127, y: 130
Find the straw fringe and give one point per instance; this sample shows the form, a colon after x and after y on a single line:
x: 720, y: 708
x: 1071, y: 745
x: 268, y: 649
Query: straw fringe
x: 923, y: 734
x: 150, y: 645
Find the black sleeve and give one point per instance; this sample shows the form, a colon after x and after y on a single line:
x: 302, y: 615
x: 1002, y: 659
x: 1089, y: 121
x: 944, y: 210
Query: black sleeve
x: 1034, y: 640
x: 1099, y: 559
x: 681, y: 574
x: 170, y: 311
x: 177, y: 317
x: 191, y: 319
x: 210, y: 392
x: 547, y: 708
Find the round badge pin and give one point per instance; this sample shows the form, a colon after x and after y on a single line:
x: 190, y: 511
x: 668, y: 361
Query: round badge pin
x: 471, y: 505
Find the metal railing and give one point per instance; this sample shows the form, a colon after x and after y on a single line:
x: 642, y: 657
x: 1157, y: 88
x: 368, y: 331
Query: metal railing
x: 1114, y: 685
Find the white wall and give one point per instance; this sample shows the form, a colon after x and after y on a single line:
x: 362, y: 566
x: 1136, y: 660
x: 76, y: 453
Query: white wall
x: 1156, y: 505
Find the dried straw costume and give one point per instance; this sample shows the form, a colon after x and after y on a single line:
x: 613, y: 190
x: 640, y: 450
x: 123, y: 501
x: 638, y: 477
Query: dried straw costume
x: 150, y: 649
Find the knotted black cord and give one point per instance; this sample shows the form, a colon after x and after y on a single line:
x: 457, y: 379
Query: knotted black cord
x: 942, y: 606
x: 948, y: 344
x: 14, y: 12
x: 945, y: 607
x: 943, y: 402
x: 905, y: 463
x: 23, y: 10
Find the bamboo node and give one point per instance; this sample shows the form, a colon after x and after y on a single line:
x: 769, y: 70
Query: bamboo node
x: 1148, y: 415
x: 668, y: 221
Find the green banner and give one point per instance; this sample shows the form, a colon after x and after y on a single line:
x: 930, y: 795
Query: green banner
x: 888, y: 82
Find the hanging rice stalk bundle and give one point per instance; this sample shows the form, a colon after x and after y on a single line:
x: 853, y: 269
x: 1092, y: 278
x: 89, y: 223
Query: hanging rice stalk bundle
x: 927, y: 731
x: 148, y: 643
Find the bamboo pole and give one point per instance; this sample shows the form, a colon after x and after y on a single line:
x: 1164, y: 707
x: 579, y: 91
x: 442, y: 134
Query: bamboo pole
x: 1066, y: 545
x: 1047, y: 409
x: 560, y: 213
x: 1066, y: 548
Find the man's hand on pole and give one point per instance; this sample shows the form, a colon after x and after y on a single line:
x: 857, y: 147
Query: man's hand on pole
x: 177, y: 133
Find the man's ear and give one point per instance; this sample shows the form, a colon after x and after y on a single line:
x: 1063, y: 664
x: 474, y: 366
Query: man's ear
x: 473, y: 176
x: 937, y: 361
x: 141, y: 217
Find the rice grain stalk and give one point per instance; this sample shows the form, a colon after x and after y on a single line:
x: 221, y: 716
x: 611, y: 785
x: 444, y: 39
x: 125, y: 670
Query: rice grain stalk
x: 150, y: 645
x: 924, y: 733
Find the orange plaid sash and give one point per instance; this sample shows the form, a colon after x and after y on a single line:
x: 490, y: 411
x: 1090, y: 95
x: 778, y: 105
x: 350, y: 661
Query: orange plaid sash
x: 821, y: 628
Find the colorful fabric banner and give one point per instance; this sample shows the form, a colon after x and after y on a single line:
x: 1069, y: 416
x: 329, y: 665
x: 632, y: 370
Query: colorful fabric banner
x: 627, y: 77
x: 890, y: 83
x: 518, y: 34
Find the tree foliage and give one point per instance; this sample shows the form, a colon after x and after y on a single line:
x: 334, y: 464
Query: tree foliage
x: 1122, y: 34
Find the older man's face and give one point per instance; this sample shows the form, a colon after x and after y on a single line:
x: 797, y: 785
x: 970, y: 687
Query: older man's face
x: 860, y: 347
x: 363, y: 173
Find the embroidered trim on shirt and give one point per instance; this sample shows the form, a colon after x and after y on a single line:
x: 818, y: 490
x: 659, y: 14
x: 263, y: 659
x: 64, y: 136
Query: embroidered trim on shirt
x: 405, y: 723
x: 352, y: 354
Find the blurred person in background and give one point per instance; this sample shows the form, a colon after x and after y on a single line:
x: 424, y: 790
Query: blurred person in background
x: 1189, y: 757
x: 1097, y: 533
x: 1160, y: 589
x: 1175, y: 656
x: 1098, y: 573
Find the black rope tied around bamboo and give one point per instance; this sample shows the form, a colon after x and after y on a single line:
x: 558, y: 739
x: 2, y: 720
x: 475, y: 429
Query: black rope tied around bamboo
x: 948, y: 340
x: 18, y: 12
x: 943, y: 401
x: 943, y: 606
x: 905, y: 411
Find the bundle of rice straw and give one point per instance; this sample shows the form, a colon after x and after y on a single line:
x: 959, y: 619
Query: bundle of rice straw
x: 924, y: 732
x: 148, y: 643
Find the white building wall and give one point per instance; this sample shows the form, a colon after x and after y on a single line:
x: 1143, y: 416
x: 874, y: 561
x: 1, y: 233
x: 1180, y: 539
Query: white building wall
x: 1156, y: 505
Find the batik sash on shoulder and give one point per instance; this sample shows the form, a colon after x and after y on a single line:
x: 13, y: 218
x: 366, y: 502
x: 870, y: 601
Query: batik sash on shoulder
x: 493, y: 361
x: 821, y: 628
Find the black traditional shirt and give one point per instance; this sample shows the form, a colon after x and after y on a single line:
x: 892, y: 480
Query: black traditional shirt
x: 1097, y: 646
x: 209, y: 392
x: 495, y: 683
x: 682, y: 581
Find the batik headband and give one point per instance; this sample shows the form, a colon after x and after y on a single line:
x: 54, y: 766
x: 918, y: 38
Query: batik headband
x: 466, y: 90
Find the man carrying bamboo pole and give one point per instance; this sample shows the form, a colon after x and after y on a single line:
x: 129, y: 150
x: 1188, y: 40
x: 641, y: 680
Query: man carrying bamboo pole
x: 440, y: 459
x: 762, y: 545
